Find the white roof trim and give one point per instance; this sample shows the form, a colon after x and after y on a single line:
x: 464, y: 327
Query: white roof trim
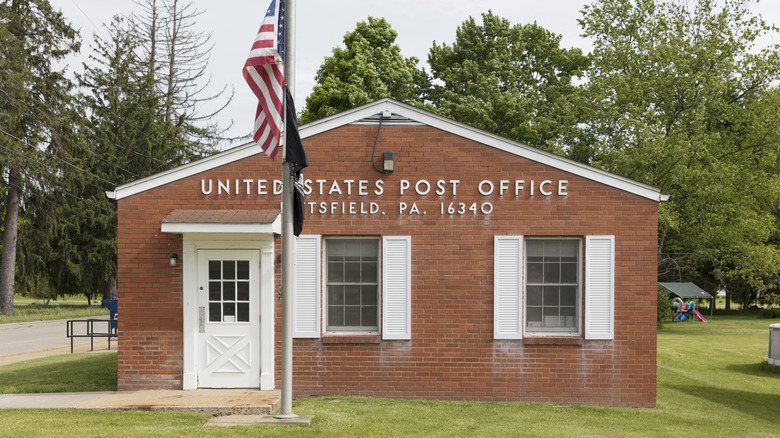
x: 234, y: 154
x: 357, y: 115
x: 479, y: 136
x: 221, y: 228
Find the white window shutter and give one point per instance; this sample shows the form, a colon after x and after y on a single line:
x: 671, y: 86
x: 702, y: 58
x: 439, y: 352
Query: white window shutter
x: 600, y: 287
x: 507, y: 287
x: 397, y: 287
x: 306, y: 281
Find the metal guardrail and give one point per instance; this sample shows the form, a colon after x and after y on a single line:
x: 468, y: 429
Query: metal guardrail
x: 89, y: 331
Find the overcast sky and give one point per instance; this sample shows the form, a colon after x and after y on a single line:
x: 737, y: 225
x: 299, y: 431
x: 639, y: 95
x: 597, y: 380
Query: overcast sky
x: 322, y: 25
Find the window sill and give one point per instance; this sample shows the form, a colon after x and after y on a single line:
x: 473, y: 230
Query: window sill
x: 553, y: 340
x: 351, y: 339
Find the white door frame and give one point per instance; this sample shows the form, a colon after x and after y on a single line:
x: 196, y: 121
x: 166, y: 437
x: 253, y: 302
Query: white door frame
x: 192, y: 243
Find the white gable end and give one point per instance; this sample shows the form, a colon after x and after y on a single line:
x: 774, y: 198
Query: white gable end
x: 410, y: 115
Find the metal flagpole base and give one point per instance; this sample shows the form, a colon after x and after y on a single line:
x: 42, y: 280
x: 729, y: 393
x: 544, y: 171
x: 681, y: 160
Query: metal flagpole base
x: 286, y: 416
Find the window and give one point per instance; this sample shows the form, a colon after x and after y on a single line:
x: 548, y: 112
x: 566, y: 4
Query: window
x: 228, y: 290
x: 352, y: 284
x: 546, y: 286
x: 349, y: 270
x: 552, y: 286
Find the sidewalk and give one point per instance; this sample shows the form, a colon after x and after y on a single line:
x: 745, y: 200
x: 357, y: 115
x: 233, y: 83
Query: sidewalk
x: 81, y: 346
x: 216, y: 402
x: 243, y: 406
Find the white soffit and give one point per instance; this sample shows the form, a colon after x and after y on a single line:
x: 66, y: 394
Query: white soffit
x: 413, y: 114
x: 273, y: 228
x: 223, y: 221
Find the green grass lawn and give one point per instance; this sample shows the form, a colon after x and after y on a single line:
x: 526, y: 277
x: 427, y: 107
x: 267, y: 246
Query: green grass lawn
x: 65, y: 373
x: 713, y: 381
x: 69, y: 307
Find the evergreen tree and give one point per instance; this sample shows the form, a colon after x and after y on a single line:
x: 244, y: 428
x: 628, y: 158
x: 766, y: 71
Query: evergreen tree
x: 140, y: 101
x: 33, y: 38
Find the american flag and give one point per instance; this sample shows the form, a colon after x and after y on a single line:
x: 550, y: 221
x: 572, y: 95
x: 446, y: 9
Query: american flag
x: 264, y: 72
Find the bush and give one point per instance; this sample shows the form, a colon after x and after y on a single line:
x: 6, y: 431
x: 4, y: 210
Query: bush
x: 664, y: 307
x: 769, y: 313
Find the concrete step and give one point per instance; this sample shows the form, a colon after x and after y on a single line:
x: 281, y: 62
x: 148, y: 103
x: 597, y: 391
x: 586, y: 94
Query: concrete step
x: 217, y: 402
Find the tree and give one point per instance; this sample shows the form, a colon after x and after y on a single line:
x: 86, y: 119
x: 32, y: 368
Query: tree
x: 515, y: 81
x: 174, y: 57
x: 131, y: 129
x: 369, y: 67
x: 127, y: 123
x: 141, y: 93
x: 680, y: 98
x: 33, y: 38
x: 138, y: 114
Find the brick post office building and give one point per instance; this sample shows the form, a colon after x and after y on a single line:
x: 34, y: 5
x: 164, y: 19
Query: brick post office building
x: 471, y: 267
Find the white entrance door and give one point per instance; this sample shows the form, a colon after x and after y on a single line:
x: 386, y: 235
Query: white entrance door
x: 228, y: 319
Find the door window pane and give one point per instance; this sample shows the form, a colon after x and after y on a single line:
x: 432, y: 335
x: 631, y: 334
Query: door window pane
x: 229, y: 291
x: 243, y: 312
x: 243, y: 269
x: 243, y: 290
x: 215, y: 290
x: 215, y: 312
x: 215, y: 273
x: 229, y: 269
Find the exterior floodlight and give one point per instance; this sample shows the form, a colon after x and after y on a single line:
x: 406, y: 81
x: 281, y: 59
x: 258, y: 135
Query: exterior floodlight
x: 388, y: 158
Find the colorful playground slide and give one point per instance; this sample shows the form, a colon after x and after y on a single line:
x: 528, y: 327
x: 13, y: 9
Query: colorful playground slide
x: 686, y: 311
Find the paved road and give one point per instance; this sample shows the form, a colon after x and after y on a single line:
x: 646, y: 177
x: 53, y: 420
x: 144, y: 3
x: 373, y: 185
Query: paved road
x: 24, y: 337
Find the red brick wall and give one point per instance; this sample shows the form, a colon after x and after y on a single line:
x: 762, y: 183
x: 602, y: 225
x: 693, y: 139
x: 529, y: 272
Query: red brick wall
x: 452, y: 354
x: 149, y: 289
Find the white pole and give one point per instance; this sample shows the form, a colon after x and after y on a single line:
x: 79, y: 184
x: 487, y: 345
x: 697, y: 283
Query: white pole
x: 288, y: 240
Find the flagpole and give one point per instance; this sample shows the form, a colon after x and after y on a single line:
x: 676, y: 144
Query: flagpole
x: 288, y: 241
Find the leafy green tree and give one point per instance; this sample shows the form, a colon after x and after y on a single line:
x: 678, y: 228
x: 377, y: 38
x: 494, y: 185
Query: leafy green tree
x: 512, y: 80
x: 369, y: 67
x: 681, y: 98
x: 33, y: 39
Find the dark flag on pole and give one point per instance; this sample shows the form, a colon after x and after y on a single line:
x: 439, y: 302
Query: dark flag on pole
x: 296, y: 156
x: 264, y: 73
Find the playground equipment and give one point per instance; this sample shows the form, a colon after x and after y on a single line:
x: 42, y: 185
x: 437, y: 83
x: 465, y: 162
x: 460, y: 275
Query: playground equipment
x: 687, y: 291
x: 686, y: 311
